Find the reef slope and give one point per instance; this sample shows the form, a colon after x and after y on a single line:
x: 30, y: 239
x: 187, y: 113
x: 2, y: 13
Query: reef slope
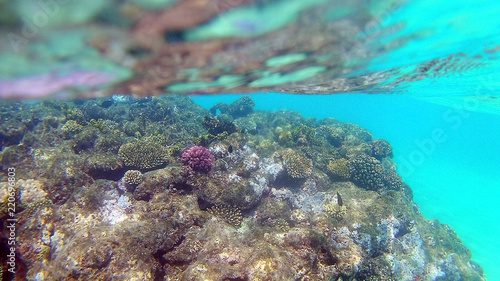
x: 112, y: 189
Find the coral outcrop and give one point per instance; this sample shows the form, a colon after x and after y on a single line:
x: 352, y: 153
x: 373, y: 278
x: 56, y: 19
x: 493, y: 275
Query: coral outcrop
x: 240, y: 108
x: 143, y: 154
x: 133, y: 177
x: 295, y: 164
x: 381, y: 148
x: 198, y: 158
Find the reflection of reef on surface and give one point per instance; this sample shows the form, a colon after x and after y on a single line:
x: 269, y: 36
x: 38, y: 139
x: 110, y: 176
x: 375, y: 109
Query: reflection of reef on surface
x: 143, y: 48
x: 119, y: 188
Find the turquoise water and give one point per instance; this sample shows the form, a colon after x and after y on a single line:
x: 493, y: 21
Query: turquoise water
x: 456, y: 182
x: 446, y: 150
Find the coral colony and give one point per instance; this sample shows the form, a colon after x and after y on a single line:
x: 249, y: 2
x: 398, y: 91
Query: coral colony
x: 198, y: 158
x: 162, y: 189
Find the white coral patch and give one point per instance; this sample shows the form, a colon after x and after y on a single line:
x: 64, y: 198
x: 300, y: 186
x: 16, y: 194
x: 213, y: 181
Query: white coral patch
x: 116, y: 210
x: 31, y: 191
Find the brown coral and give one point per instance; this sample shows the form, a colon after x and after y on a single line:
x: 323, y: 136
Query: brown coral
x: 367, y: 172
x: 339, y: 168
x: 230, y: 214
x: 381, y: 148
x: 392, y: 180
x: 143, y: 154
x: 72, y: 126
x: 296, y: 165
x: 133, y: 177
x: 334, y: 210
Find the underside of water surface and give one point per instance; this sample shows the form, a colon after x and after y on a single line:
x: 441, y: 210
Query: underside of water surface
x: 301, y: 47
x: 121, y: 159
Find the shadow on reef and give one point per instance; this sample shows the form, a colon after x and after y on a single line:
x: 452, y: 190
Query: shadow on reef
x: 162, y: 189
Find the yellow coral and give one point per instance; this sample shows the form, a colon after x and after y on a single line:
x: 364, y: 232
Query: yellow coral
x: 44, y: 252
x: 281, y: 224
x: 72, y: 126
x: 285, y: 138
x: 296, y: 165
x: 334, y: 210
x: 339, y: 168
x: 230, y: 214
x: 133, y: 177
x: 143, y: 154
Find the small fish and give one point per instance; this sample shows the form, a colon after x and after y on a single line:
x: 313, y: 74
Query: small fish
x: 339, y: 200
x: 230, y: 149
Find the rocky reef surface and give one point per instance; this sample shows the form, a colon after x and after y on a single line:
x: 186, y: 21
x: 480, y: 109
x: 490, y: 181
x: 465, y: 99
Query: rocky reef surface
x: 162, y: 189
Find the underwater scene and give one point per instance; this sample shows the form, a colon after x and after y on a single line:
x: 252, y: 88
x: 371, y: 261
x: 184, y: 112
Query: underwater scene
x: 242, y: 140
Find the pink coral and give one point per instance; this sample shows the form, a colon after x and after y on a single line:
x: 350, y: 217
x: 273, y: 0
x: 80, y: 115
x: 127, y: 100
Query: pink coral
x: 198, y: 158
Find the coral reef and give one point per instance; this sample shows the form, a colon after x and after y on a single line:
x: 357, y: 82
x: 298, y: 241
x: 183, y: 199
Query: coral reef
x: 381, y: 149
x: 292, y: 199
x: 367, y: 172
x: 339, y: 168
x: 143, y: 154
x: 240, y: 108
x: 219, y: 126
x: 296, y: 165
x: 133, y: 177
x: 230, y: 214
x: 198, y: 158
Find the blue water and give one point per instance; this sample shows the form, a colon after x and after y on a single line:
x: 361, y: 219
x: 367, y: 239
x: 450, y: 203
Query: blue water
x: 454, y: 176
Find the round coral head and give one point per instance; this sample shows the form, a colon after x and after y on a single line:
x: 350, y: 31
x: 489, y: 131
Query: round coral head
x: 198, y: 158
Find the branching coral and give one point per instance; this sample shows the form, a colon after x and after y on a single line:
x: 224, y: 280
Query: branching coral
x: 339, y: 168
x: 334, y: 210
x: 296, y: 165
x: 143, y: 154
x: 72, y: 126
x: 230, y: 214
x: 133, y: 177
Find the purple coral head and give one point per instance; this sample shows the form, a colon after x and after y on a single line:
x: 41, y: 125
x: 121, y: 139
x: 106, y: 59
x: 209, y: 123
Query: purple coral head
x: 198, y: 158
